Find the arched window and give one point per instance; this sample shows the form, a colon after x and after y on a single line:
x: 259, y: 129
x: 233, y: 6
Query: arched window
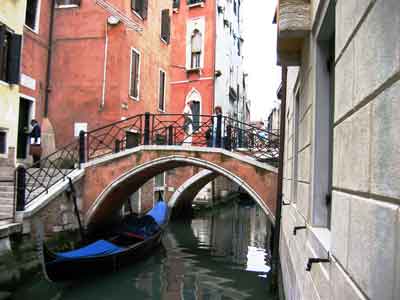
x: 196, y: 45
x: 195, y: 97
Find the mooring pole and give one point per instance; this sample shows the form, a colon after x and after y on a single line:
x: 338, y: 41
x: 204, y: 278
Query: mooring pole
x: 72, y: 194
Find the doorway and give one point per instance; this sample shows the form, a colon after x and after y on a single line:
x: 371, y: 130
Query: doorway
x: 25, y: 113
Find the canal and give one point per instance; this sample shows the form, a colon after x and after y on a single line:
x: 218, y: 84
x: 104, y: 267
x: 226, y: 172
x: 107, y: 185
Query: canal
x: 219, y: 254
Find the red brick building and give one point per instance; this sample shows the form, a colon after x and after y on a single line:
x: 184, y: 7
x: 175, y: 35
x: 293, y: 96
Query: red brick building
x: 193, y: 43
x: 109, y: 61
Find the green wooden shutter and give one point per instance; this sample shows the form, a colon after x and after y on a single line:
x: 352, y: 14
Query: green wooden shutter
x: 14, y: 58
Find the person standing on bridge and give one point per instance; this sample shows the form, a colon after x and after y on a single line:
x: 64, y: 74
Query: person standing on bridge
x: 215, y: 142
x: 188, y: 123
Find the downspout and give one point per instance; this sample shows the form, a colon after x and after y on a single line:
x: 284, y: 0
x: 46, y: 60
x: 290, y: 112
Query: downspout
x: 49, y: 55
x: 279, y: 198
x: 103, y: 91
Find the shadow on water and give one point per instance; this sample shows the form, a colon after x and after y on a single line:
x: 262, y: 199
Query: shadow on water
x: 220, y: 255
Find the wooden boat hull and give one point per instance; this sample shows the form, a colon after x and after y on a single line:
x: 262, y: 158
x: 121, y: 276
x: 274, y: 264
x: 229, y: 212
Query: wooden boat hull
x: 67, y: 270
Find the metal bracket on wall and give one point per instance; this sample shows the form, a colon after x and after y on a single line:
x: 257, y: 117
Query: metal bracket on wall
x: 298, y: 228
x: 317, y: 260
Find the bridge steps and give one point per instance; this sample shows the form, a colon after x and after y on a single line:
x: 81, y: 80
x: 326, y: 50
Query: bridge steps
x: 6, y: 202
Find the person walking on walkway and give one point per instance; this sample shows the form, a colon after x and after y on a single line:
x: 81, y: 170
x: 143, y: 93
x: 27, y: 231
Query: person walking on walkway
x: 35, y: 148
x: 188, y: 124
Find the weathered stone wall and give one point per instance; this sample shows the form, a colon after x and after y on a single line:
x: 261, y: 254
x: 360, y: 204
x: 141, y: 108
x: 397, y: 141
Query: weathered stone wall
x: 58, y: 215
x: 363, y: 239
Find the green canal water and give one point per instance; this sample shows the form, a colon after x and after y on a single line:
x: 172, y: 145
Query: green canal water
x: 223, y: 254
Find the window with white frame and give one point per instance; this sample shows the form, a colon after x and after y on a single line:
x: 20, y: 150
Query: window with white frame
x: 135, y: 73
x: 165, y: 25
x: 3, y: 142
x: 195, y: 97
x: 196, y: 46
x: 323, y: 127
x: 68, y: 3
x: 140, y: 7
x: 194, y: 2
x: 159, y: 181
x: 32, y: 14
x: 161, y: 96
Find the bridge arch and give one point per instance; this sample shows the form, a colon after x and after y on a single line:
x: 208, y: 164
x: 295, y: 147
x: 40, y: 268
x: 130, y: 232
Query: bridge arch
x: 110, y: 195
x: 192, y: 186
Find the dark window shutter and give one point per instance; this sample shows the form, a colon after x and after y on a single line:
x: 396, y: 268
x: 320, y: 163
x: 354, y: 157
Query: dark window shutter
x: 30, y: 16
x: 196, y: 114
x: 134, y: 74
x: 145, y: 4
x: 3, y: 61
x: 162, y: 91
x: 168, y: 33
x: 14, y: 58
x: 165, y: 25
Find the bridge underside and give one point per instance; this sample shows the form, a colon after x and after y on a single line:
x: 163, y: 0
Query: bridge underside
x: 110, y: 180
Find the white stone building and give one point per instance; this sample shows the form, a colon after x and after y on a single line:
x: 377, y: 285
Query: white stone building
x: 230, y: 83
x: 342, y: 148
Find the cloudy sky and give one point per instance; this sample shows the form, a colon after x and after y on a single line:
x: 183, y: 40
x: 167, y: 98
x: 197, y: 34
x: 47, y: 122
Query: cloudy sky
x: 260, y: 56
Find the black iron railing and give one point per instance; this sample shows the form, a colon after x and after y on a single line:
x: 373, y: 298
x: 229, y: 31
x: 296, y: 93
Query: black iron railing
x: 145, y: 129
x: 40, y: 177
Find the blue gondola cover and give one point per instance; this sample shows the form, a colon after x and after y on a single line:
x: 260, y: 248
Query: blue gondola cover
x: 159, y: 212
x: 98, y: 248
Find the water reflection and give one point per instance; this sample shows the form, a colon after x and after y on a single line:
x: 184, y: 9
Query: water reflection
x: 217, y: 256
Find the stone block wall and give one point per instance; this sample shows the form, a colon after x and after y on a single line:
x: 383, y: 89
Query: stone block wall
x: 363, y: 239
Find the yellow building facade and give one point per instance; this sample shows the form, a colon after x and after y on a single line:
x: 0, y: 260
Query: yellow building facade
x: 12, y: 19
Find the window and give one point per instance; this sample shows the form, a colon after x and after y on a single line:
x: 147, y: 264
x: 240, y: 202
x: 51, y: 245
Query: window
x: 296, y: 148
x: 196, y: 45
x: 165, y: 25
x: 195, y: 97
x: 68, y: 3
x: 159, y: 180
x: 176, y: 4
x: 140, y: 7
x: 161, y: 96
x: 323, y: 127
x: 135, y: 69
x: 3, y: 142
x: 10, y: 54
x: 196, y: 115
x: 31, y: 14
x: 194, y: 2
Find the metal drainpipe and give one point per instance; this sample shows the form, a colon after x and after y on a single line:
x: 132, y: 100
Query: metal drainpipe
x: 103, y: 90
x: 49, y: 54
x: 275, y: 250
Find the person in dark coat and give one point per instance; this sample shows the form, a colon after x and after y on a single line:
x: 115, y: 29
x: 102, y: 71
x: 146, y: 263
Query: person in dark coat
x: 34, y: 141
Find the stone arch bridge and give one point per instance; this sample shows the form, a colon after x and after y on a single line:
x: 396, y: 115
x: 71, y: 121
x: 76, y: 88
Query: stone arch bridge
x: 114, y: 161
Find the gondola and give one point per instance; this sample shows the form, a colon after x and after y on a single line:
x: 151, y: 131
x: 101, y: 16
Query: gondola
x: 136, y: 238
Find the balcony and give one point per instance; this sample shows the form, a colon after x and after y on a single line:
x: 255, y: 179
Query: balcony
x: 293, y: 18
